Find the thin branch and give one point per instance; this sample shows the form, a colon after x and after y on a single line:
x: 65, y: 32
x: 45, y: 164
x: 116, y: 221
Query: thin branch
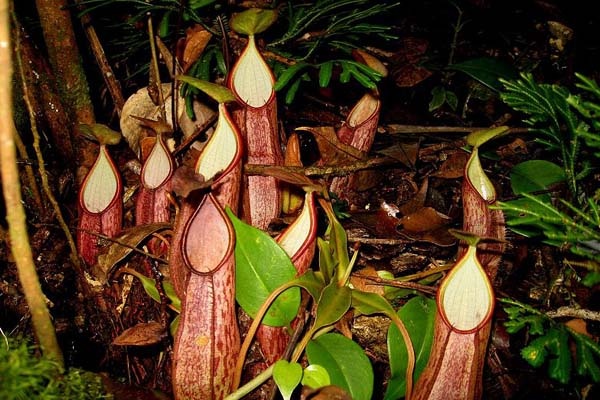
x: 574, y: 313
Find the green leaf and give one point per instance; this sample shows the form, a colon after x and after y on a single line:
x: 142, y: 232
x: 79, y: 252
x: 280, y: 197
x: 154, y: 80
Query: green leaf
x: 586, y: 348
x: 346, y: 363
x: 535, y: 175
x: 438, y: 98
x: 418, y: 315
x: 253, y: 21
x: 287, y: 75
x: 219, y: 93
x: 591, y: 279
x: 325, y: 73
x: 488, y: 71
x: 315, y: 377
x: 371, y: 303
x: 326, y: 262
x: 170, y: 293
x: 554, y: 348
x: 287, y: 376
x: 333, y: 303
x: 261, y: 267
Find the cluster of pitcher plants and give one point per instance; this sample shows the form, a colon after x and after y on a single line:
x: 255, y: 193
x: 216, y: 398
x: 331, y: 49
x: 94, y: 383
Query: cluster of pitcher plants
x: 221, y: 259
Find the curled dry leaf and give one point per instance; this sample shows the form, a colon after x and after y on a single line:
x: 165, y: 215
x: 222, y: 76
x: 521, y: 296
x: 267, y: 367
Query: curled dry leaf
x: 143, y: 334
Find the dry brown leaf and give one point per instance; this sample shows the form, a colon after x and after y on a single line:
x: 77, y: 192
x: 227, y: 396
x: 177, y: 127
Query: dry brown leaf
x: 418, y: 200
x: 360, y: 280
x: 185, y: 180
x: 333, y: 152
x: 407, y: 71
x: 423, y: 220
x: 330, y: 392
x: 406, y: 153
x: 196, y: 39
x: 142, y: 334
x: 132, y: 238
x: 454, y: 166
x: 578, y: 325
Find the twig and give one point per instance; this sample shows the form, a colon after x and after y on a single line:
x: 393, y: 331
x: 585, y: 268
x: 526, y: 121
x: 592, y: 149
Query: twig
x: 574, y: 313
x: 394, y: 129
x: 326, y: 170
x: 398, y: 284
x: 113, y: 86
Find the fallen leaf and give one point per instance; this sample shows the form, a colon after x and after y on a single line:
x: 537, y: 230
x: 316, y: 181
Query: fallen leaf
x: 330, y: 392
x: 418, y: 200
x: 454, y: 166
x: 117, y: 252
x: 333, y: 152
x: 360, y: 280
x: 423, y: 220
x: 142, y: 334
x: 406, y: 153
x: 406, y: 70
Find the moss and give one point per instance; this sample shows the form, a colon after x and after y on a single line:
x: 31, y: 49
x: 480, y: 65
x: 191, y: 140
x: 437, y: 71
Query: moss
x: 23, y: 375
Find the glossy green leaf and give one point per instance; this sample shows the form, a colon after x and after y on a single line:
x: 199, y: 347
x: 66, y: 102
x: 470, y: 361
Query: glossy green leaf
x: 315, y: 376
x: 535, y: 175
x: 253, y: 21
x: 101, y: 133
x: 346, y: 363
x: 261, y: 267
x: 287, y: 376
x: 333, y: 304
x: 487, y: 71
x: 218, y: 92
x: 418, y: 315
x: 371, y: 303
x: 325, y: 73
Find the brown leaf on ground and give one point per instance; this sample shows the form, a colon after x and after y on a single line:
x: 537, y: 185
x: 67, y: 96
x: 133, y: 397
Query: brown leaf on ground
x: 143, y: 334
x: 417, y: 202
x: 360, y: 280
x: 423, y: 220
x: 454, y: 166
x: 406, y: 153
x: 406, y: 70
x: 333, y: 152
